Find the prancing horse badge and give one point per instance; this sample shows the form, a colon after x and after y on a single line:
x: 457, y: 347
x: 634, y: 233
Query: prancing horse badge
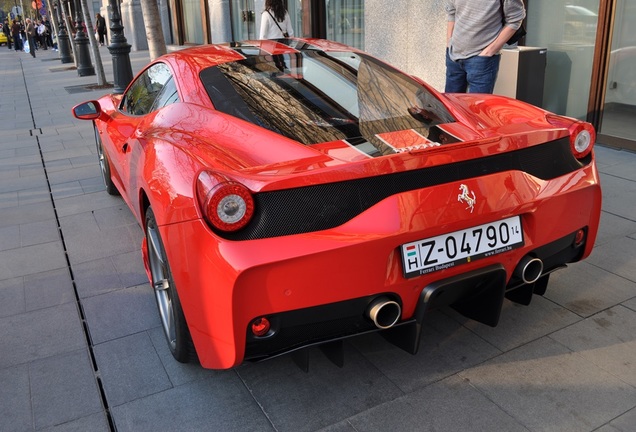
x: 466, y: 197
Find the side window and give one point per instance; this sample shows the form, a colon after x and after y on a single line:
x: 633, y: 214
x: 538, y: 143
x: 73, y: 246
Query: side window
x: 168, y: 95
x: 140, y: 97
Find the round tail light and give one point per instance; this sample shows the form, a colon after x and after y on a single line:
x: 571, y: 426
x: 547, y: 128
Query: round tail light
x: 582, y: 137
x: 226, y: 204
x: 582, y: 134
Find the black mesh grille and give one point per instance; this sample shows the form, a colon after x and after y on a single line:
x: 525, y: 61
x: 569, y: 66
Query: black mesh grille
x: 320, y: 207
x: 313, y: 325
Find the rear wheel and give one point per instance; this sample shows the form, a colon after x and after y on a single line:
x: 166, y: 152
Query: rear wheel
x: 104, y: 165
x: 172, y: 318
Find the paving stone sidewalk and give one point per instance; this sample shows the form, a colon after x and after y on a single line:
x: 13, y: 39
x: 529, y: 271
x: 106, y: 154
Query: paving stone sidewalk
x: 81, y: 348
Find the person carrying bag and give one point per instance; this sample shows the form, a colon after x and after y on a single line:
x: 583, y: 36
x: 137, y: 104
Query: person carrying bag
x: 275, y: 21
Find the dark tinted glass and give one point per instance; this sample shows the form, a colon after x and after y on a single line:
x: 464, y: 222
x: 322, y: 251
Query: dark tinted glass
x: 313, y: 97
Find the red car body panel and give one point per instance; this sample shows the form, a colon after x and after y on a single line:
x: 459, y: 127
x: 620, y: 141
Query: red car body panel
x: 224, y: 284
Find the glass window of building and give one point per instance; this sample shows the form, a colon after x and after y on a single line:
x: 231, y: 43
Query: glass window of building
x: 568, y: 30
x: 345, y: 22
x: 620, y: 90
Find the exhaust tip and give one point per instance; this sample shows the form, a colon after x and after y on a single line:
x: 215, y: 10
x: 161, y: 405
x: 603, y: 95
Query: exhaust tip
x: 384, y: 312
x: 529, y: 269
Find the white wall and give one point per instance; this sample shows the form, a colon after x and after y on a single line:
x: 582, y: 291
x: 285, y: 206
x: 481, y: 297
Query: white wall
x: 409, y: 34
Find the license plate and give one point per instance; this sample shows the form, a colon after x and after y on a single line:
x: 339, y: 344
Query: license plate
x: 459, y: 247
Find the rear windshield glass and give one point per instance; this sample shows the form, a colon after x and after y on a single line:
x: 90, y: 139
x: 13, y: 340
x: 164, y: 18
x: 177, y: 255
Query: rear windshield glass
x: 314, y: 97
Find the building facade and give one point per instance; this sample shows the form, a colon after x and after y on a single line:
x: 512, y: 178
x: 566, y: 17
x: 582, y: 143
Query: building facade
x: 590, y: 71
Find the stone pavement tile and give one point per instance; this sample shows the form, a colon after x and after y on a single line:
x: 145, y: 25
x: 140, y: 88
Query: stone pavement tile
x: 93, y: 423
x: 607, y: 157
x: 32, y: 259
x: 449, y: 405
x: 130, y: 268
x: 589, y: 289
x: 617, y: 257
x: 85, y: 203
x: 82, y: 233
x: 179, y: 373
x: 614, y: 227
x: 445, y: 349
x: 624, y: 169
x: 631, y: 303
x: 624, y: 423
x: 66, y: 190
x: 80, y: 173
x: 607, y: 339
x: 15, y: 400
x: 47, y: 289
x: 63, y: 389
x: 93, y: 184
x: 8, y: 199
x: 38, y: 334
x: 9, y: 237
x: 96, y: 277
x: 617, y: 196
x: 16, y: 183
x: 16, y: 215
x: 343, y: 426
x: 114, y: 217
x: 130, y: 369
x: 58, y: 165
x: 520, y: 324
x: 39, y: 232
x: 35, y: 195
x: 121, y: 313
x: 547, y: 387
x: 11, y: 297
x: 218, y: 403
x: 296, y: 401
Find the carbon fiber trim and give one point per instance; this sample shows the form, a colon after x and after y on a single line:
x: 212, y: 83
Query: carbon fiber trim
x: 320, y: 207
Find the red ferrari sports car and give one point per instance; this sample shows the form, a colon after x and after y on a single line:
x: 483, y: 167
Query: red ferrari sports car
x: 298, y: 192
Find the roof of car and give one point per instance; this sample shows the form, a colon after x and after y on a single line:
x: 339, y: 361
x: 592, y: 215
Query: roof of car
x: 203, y: 56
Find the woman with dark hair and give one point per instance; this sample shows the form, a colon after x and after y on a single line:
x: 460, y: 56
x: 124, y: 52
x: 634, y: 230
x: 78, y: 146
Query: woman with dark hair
x: 275, y: 21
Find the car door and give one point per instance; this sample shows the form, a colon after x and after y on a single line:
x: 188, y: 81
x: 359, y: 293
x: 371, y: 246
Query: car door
x: 140, y: 100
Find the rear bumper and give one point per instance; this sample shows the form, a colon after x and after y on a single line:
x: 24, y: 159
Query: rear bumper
x: 315, y: 287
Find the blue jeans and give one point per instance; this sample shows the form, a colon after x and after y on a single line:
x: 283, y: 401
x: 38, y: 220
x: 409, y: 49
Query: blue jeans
x: 476, y: 74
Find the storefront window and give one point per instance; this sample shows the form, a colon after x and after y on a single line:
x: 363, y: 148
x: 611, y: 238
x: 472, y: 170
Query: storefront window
x: 345, y: 22
x: 620, y: 94
x: 192, y: 21
x: 568, y: 30
x: 244, y: 16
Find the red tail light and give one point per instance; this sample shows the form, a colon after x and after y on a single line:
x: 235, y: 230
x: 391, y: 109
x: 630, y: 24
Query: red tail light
x: 582, y: 134
x: 226, y: 204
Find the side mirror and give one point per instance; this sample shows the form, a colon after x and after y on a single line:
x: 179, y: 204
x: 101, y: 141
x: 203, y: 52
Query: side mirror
x: 87, y: 111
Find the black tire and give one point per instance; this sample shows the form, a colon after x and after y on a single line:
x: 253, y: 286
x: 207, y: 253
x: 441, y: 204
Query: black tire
x: 104, y: 165
x: 173, y: 322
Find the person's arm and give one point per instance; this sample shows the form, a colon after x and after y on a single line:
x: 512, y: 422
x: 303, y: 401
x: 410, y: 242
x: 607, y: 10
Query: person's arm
x: 264, y: 26
x: 496, y: 45
x: 288, y: 25
x: 449, y: 32
x: 515, y: 12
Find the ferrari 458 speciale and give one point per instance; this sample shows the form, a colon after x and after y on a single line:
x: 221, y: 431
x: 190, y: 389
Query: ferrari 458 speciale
x: 298, y: 192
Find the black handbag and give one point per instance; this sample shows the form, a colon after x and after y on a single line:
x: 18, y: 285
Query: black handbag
x: 521, y: 31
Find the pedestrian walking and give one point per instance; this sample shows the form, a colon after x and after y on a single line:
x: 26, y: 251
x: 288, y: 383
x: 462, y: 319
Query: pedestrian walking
x: 31, y: 35
x: 476, y: 32
x: 16, y: 36
x: 41, y: 34
x: 6, y: 29
x: 100, y: 28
